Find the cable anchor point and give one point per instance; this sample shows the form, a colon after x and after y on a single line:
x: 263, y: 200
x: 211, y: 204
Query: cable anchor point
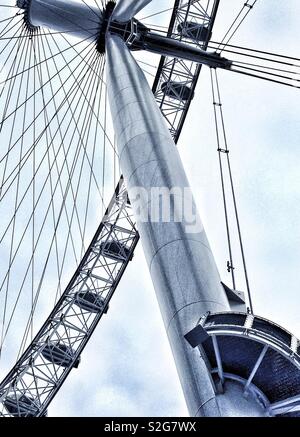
x: 230, y: 267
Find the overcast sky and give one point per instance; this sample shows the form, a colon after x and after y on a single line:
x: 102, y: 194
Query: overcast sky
x: 127, y: 368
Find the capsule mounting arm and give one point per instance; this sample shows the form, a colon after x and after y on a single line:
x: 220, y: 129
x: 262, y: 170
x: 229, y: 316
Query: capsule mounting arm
x: 138, y: 37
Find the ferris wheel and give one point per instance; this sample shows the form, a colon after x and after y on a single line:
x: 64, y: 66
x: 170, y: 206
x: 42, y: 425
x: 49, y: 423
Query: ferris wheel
x: 85, y: 120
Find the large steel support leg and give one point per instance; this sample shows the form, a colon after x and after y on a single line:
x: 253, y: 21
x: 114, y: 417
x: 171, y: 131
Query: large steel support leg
x: 126, y: 9
x: 182, y: 266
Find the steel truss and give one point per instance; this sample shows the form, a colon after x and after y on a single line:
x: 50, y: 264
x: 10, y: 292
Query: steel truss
x: 40, y: 372
x: 38, y: 375
x: 179, y: 71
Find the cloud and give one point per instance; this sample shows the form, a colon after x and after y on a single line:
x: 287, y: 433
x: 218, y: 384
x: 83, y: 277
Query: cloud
x: 127, y: 368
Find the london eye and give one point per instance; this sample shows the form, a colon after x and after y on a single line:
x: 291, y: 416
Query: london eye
x: 99, y: 101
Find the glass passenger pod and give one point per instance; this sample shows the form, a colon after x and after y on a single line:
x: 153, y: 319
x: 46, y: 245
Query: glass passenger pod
x: 259, y: 354
x: 90, y: 302
x: 259, y: 326
x: 177, y: 90
x: 194, y: 31
x: 116, y: 250
x: 21, y: 406
x: 60, y: 354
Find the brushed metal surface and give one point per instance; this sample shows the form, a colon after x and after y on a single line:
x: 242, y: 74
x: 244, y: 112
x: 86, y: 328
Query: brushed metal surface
x: 74, y: 17
x: 181, y: 263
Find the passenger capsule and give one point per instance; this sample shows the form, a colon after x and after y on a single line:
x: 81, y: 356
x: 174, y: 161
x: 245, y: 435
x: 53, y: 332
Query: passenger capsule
x: 116, y: 250
x: 90, y: 302
x: 177, y: 91
x: 21, y: 406
x: 60, y: 354
x: 194, y: 31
